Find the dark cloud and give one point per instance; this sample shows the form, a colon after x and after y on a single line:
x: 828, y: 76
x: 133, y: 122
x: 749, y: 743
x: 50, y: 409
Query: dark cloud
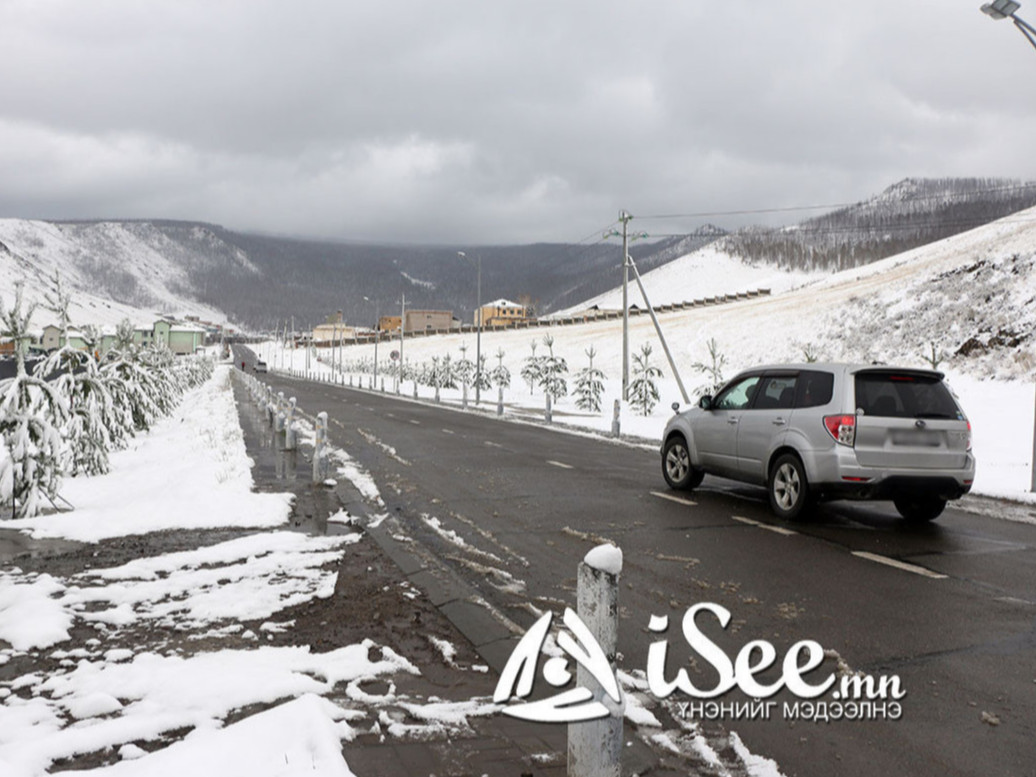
x: 495, y: 122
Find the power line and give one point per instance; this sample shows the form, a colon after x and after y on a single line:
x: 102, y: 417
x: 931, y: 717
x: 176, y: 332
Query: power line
x: 863, y: 229
x: 921, y: 197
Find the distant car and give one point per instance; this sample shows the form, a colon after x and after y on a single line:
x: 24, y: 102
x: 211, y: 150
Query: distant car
x: 260, y: 366
x: 810, y: 432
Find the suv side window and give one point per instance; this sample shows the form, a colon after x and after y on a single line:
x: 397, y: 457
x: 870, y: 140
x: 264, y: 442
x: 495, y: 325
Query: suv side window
x: 814, y: 388
x: 776, y: 392
x: 738, y: 396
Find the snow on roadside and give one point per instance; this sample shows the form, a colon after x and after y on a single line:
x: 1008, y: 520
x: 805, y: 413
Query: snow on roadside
x: 29, y: 615
x: 190, y: 471
x: 302, y: 737
x: 152, y: 694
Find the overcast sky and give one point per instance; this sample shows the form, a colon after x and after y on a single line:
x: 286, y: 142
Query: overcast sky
x: 492, y: 121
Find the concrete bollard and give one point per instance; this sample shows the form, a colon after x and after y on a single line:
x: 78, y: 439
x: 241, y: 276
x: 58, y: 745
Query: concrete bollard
x: 320, y: 449
x: 289, y: 426
x: 595, y: 746
x: 464, y: 397
x: 415, y: 388
x: 500, y: 400
x: 549, y: 412
x: 615, y: 418
x: 279, y: 420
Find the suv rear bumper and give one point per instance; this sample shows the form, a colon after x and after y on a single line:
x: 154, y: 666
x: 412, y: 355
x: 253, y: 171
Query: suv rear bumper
x: 895, y: 486
x: 842, y: 477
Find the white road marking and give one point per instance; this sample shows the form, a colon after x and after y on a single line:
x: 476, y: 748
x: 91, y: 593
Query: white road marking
x: 559, y: 464
x: 448, y: 431
x: 767, y: 526
x: 415, y: 422
x: 891, y: 562
x: 492, y: 444
x: 671, y: 498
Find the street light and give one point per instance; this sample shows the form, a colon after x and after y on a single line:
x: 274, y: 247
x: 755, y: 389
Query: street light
x: 1004, y: 9
x: 377, y: 335
x: 478, y: 336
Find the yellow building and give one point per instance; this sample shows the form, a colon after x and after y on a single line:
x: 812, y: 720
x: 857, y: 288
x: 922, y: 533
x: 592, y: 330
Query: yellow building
x: 501, y: 313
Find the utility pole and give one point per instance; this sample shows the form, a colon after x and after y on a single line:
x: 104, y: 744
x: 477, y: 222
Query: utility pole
x: 402, y: 326
x: 625, y: 217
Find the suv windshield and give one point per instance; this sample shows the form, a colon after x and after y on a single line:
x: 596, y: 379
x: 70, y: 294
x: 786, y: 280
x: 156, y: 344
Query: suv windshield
x: 904, y: 395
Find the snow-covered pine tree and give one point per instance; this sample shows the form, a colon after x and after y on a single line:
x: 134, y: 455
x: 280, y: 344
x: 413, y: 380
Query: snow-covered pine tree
x: 482, y: 379
x: 644, y: 387
x: 464, y: 369
x: 713, y: 369
x: 589, y: 385
x: 32, y: 417
x: 532, y: 368
x: 500, y: 375
x: 76, y: 375
x: 553, y: 371
x: 447, y: 373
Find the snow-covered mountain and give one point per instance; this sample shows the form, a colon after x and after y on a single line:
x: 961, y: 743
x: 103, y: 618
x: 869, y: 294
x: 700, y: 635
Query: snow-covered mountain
x: 140, y: 269
x: 115, y: 271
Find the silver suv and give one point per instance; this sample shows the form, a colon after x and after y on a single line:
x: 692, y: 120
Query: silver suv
x: 811, y: 432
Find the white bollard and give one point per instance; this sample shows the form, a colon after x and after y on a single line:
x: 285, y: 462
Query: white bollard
x: 279, y: 425
x: 549, y: 412
x: 595, y: 746
x: 320, y: 449
x: 500, y: 400
x: 289, y: 426
x: 615, y: 418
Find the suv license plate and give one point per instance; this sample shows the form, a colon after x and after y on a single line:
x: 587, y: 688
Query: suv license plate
x: 917, y: 438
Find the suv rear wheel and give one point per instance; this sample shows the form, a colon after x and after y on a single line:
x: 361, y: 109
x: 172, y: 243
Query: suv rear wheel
x: 788, y: 488
x: 676, y: 466
x: 919, y: 509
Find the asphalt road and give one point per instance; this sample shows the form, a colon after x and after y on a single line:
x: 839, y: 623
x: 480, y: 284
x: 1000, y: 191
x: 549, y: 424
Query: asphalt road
x: 955, y: 621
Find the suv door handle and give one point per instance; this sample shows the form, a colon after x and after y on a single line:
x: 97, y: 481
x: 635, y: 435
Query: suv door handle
x: 732, y: 421
x: 779, y: 422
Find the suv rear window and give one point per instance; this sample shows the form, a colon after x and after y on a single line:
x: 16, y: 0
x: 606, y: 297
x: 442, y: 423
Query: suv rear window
x: 903, y: 395
x: 814, y: 388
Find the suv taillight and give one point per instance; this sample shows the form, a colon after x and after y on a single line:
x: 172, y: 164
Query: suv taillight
x: 842, y: 428
x: 969, y: 437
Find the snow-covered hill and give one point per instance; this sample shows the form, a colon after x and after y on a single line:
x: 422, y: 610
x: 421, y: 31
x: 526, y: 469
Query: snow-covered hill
x: 707, y: 272
x: 114, y: 270
x: 972, y: 295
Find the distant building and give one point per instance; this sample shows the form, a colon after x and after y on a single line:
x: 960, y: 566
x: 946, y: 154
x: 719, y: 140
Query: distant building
x: 419, y: 321
x: 54, y: 338
x: 332, y: 333
x: 178, y: 338
x: 502, y: 312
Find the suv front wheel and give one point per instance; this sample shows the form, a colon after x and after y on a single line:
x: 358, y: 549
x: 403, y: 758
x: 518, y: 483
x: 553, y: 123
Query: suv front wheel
x: 676, y: 466
x: 787, y: 487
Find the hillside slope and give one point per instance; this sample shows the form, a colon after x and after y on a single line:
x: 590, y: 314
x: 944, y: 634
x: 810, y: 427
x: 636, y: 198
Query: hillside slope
x: 114, y: 273
x: 973, y: 295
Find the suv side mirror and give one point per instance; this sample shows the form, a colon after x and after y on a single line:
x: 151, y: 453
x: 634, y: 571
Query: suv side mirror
x: 705, y: 403
x: 676, y: 407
